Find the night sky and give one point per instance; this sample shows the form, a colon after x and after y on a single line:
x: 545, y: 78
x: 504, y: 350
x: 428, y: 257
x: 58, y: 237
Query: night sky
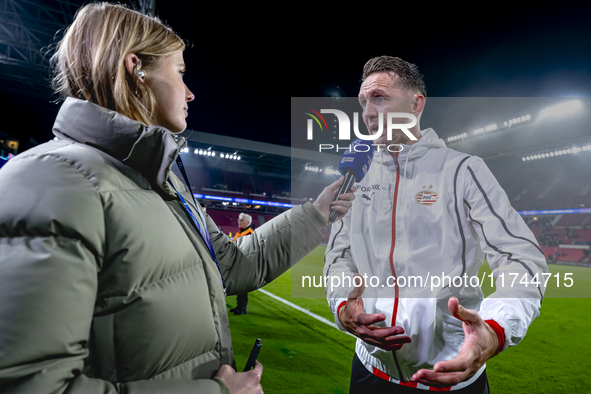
x: 245, y: 64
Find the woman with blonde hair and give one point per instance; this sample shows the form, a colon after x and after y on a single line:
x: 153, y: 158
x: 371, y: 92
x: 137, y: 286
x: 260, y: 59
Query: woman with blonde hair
x: 112, y: 278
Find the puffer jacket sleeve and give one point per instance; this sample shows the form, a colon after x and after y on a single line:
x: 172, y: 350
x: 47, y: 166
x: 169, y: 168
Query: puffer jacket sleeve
x: 51, y: 248
x: 516, y: 260
x: 255, y: 260
x: 339, y: 264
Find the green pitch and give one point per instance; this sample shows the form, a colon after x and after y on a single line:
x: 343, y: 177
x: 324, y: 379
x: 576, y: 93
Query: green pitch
x: 302, y: 355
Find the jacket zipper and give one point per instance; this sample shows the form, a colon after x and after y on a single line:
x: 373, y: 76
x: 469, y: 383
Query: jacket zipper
x: 396, y: 293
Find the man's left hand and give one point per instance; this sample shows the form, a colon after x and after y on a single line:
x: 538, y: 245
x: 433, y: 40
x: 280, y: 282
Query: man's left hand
x: 480, y: 344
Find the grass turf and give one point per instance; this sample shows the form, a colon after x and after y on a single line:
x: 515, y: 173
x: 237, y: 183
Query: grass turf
x: 301, y: 354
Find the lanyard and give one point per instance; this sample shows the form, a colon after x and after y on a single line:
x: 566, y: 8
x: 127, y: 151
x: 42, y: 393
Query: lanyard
x: 202, y: 230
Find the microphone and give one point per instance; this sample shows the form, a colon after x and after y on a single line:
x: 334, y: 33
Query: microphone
x: 354, y: 166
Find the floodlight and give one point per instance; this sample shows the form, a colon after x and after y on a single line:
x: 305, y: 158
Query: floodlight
x: 561, y: 109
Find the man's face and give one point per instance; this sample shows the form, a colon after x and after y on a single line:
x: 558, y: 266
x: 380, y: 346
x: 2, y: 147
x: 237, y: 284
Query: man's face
x: 242, y: 223
x: 378, y: 95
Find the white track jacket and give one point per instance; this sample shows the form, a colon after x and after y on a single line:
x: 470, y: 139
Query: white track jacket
x: 430, y: 215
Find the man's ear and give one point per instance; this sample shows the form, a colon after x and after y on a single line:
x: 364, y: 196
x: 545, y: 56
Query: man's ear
x: 132, y: 62
x: 418, y: 105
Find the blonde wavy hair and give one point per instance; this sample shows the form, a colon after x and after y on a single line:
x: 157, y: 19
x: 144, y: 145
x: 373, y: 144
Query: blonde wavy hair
x: 89, y: 60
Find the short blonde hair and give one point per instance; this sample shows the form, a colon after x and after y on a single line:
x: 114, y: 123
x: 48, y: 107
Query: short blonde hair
x: 89, y: 62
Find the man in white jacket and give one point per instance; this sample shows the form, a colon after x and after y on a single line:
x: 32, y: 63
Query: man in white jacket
x: 417, y: 236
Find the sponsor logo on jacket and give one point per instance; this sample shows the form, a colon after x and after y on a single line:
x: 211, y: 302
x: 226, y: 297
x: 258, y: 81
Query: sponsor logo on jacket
x: 369, y: 188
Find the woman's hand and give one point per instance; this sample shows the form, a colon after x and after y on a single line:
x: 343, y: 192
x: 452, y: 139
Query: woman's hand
x: 324, y: 203
x: 242, y: 382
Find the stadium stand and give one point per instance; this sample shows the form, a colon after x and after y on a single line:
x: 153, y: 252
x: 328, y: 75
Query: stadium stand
x: 573, y: 220
x: 567, y: 241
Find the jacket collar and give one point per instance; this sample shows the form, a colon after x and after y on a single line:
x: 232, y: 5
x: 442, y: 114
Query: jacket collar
x: 150, y: 150
x: 429, y: 139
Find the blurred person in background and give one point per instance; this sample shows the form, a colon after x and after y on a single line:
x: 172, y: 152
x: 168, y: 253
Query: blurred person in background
x: 244, y: 222
x: 112, y: 278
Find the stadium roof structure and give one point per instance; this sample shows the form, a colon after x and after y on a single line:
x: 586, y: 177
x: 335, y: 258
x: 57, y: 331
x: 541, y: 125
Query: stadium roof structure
x: 263, y: 151
x: 505, y: 130
x: 27, y: 31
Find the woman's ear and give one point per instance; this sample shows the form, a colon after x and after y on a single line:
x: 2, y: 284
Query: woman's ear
x: 133, y: 65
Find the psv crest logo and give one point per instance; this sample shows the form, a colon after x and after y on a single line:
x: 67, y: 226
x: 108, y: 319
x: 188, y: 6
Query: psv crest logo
x: 427, y: 197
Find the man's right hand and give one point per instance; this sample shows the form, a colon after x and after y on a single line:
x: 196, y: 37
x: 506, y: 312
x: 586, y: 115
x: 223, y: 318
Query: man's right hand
x: 242, y: 382
x: 360, y: 324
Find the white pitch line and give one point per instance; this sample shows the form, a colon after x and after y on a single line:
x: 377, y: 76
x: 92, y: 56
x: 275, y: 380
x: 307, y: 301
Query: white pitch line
x: 307, y: 312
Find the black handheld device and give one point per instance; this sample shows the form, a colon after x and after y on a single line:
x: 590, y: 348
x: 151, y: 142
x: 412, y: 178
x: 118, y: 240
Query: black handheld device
x: 254, y: 353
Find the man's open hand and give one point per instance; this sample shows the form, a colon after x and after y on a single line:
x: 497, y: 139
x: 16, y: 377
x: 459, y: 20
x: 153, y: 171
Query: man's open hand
x: 360, y: 324
x: 480, y: 344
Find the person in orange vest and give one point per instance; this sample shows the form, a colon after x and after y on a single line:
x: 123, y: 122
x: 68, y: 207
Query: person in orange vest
x: 244, y: 221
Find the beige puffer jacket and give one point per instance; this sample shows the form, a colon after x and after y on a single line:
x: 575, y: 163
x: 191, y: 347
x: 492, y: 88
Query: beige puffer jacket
x: 105, y: 284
